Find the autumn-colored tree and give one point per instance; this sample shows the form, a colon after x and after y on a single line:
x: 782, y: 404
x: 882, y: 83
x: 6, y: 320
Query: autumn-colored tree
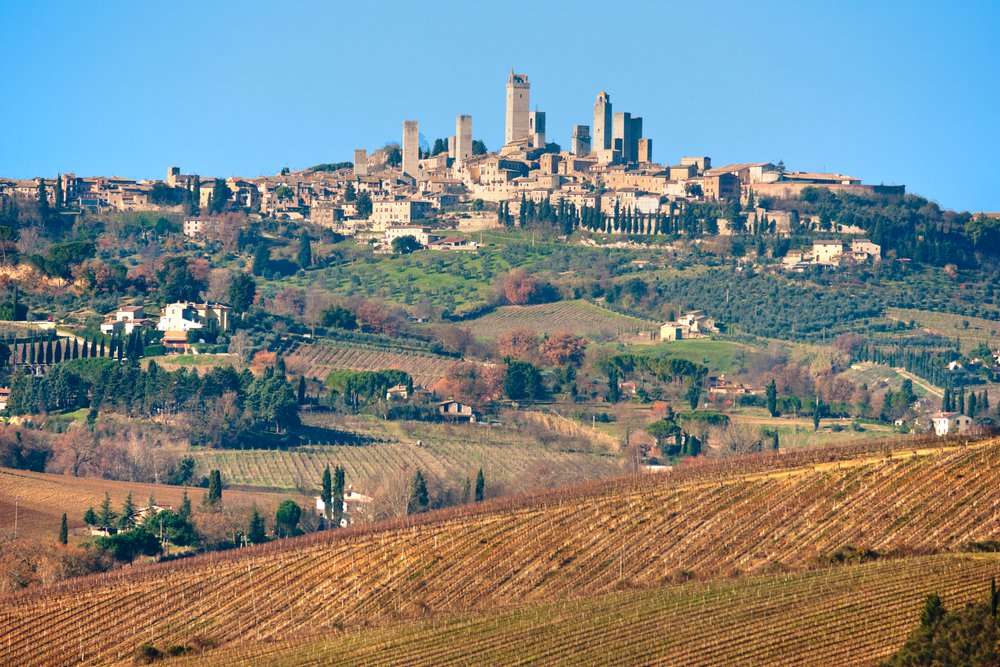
x: 472, y: 383
x: 562, y: 349
x: 520, y: 289
x: 518, y: 344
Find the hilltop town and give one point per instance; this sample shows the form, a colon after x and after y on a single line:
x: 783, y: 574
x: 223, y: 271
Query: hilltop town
x: 440, y: 334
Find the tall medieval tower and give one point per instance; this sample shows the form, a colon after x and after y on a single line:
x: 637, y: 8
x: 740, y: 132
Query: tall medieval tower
x: 518, y: 94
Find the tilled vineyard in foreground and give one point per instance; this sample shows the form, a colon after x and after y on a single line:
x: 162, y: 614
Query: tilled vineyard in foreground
x: 637, y: 533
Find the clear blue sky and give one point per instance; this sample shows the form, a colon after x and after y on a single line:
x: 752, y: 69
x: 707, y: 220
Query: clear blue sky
x: 905, y: 92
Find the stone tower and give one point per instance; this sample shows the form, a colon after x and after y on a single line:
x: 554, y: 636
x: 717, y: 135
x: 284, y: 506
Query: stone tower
x: 518, y: 98
x: 411, y: 148
x: 580, y: 145
x: 360, y: 162
x: 601, y: 138
x: 463, y: 138
x: 536, y: 128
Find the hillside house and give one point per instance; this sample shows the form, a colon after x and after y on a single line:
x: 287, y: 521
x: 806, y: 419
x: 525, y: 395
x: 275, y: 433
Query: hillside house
x: 125, y: 320
x: 863, y: 250
x: 693, y: 324
x: 454, y: 410
x: 453, y: 243
x: 951, y: 423
x: 827, y: 252
x: 421, y: 234
x: 356, y: 507
x: 185, y: 316
x: 398, y: 392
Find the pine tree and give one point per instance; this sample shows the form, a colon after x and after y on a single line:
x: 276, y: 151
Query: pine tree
x: 480, y: 486
x: 327, y: 493
x: 126, y: 519
x: 106, y: 516
x: 63, y: 530
x: 257, y: 530
x: 419, y: 498
x: 90, y: 517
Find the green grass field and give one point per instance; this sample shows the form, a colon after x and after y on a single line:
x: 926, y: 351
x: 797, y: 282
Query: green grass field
x: 970, y: 331
x: 720, y: 356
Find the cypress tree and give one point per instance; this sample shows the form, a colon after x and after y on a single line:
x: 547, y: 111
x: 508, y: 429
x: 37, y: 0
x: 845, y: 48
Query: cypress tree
x: 480, y: 486
x: 972, y: 407
x: 63, y: 530
x: 327, y: 493
x: 339, y: 480
x: 302, y: 390
x: 58, y: 355
x: 214, y: 488
x: 75, y: 350
x: 772, y: 398
x: 185, y: 511
x: 774, y: 440
x: 946, y: 400
x: 961, y: 400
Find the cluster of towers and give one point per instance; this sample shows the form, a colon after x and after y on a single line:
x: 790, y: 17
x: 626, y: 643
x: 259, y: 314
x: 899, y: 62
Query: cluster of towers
x: 616, y: 138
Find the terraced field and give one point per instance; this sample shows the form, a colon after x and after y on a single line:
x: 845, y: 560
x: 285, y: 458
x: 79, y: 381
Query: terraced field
x: 749, y: 516
x: 367, y: 466
x: 316, y: 360
x: 836, y: 616
x: 511, y: 456
x: 578, y: 317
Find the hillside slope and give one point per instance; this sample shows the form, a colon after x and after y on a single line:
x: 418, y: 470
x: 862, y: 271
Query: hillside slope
x: 836, y: 616
x: 639, y: 533
x: 42, y: 498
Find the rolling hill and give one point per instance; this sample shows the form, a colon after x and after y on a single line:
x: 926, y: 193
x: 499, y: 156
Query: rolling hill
x: 741, y: 516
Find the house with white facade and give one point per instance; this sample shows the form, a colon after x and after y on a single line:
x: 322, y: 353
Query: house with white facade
x: 951, y: 423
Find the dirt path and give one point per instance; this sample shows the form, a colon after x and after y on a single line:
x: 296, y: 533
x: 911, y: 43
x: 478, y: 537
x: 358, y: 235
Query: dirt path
x: 920, y: 382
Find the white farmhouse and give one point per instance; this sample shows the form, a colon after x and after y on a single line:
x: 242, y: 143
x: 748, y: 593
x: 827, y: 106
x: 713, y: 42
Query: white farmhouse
x: 951, y: 423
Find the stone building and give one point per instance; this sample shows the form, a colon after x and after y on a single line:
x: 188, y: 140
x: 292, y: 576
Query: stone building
x: 602, y: 122
x: 411, y: 148
x: 518, y: 99
x: 536, y: 128
x: 463, y: 138
x: 580, y: 143
x: 360, y: 162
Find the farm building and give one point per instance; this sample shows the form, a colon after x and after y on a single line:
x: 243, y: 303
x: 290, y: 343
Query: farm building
x: 452, y: 409
x: 355, y: 506
x: 951, y: 423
